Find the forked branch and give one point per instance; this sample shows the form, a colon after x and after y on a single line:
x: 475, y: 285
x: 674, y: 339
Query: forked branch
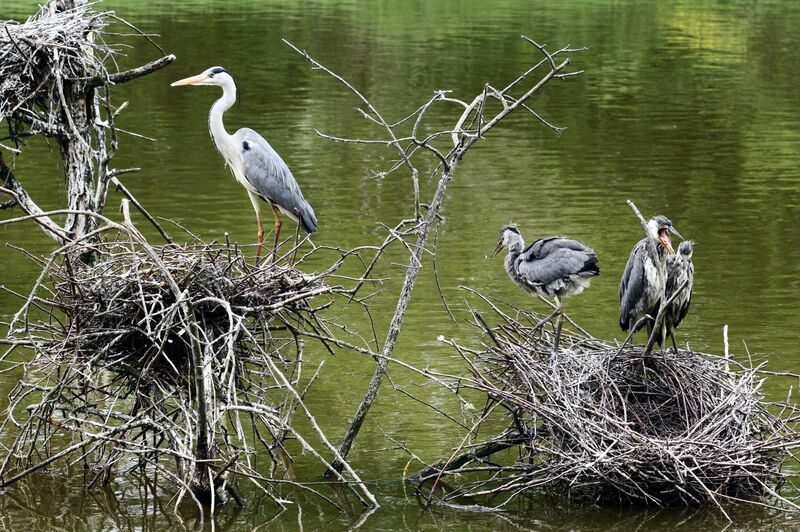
x: 463, y: 137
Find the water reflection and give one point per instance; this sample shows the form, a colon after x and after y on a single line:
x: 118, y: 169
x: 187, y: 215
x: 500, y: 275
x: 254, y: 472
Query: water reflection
x: 688, y: 108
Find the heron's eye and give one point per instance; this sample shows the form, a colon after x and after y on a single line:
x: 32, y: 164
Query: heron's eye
x: 210, y: 74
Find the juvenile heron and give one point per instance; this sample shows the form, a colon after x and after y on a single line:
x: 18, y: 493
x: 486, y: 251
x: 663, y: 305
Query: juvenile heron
x: 255, y: 165
x: 644, y: 280
x: 554, y: 267
x: 680, y: 269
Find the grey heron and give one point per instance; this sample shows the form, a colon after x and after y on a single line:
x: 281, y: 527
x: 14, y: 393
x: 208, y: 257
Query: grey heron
x: 554, y: 267
x: 254, y: 163
x: 680, y: 269
x: 644, y: 280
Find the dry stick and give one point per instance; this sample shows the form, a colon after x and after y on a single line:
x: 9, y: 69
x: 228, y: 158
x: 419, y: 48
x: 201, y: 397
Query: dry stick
x: 141, y: 209
x: 660, y: 317
x: 481, y: 451
x: 638, y: 214
x: 128, y: 75
x: 415, y: 259
x: 397, y: 319
x: 23, y: 199
x: 378, y: 118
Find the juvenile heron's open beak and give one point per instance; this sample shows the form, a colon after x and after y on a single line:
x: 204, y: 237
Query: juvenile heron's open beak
x: 666, y: 241
x: 496, y: 250
x: 193, y: 80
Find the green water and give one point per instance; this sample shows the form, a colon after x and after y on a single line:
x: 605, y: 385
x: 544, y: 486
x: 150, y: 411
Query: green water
x: 688, y: 108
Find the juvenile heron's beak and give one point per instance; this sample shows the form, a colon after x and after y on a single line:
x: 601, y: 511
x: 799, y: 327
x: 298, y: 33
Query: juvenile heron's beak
x: 676, y: 233
x: 496, y: 250
x: 193, y: 80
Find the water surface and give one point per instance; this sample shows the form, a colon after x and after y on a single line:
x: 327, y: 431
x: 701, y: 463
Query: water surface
x: 688, y: 108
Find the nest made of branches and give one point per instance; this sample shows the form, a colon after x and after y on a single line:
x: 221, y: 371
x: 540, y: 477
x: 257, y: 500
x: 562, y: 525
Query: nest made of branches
x: 607, y: 424
x: 58, y: 46
x: 120, y: 346
x: 124, y: 314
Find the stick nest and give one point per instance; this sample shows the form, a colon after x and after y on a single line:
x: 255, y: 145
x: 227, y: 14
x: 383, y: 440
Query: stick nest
x: 125, y: 314
x: 607, y: 424
x: 59, y: 46
x: 122, y: 345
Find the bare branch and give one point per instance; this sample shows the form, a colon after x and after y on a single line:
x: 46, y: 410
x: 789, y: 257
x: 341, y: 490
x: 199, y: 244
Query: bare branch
x: 134, y: 73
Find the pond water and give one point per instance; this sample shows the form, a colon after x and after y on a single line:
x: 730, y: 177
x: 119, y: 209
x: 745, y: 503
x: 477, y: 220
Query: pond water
x: 691, y: 109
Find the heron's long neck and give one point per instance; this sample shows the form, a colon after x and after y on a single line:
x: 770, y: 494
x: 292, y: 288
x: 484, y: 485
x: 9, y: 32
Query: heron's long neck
x: 514, y: 249
x: 215, y: 125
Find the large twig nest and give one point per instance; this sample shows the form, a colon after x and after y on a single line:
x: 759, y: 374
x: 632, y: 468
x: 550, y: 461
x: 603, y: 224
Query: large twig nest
x: 124, y: 313
x: 610, y: 425
x: 59, y: 45
x: 186, y: 360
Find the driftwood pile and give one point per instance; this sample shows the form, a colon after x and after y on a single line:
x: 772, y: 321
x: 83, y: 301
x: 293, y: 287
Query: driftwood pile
x: 39, y: 57
x: 180, y: 361
x: 604, y: 423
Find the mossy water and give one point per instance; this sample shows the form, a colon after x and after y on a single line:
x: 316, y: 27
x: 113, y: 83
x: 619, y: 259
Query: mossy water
x: 688, y: 108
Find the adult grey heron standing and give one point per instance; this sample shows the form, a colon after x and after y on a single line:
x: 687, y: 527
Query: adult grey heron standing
x: 644, y: 280
x: 255, y: 165
x: 680, y: 269
x: 554, y: 267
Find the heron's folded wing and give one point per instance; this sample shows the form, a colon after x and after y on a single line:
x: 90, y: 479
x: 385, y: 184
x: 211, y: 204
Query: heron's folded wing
x: 270, y: 176
x: 545, y: 246
x: 631, y: 286
x: 559, y: 263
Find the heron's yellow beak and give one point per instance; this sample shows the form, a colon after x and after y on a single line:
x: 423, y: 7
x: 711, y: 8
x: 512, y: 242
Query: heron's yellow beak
x: 496, y: 250
x: 193, y: 80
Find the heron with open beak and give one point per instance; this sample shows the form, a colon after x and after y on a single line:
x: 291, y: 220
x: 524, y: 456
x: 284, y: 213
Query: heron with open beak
x: 644, y: 280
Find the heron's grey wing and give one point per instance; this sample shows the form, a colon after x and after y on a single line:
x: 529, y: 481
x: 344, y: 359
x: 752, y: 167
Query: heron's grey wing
x: 544, y: 246
x: 631, y: 286
x: 268, y: 174
x: 560, y: 258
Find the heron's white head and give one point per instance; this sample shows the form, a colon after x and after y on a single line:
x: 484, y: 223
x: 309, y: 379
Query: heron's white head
x: 658, y: 229
x: 213, y: 76
x: 511, y: 238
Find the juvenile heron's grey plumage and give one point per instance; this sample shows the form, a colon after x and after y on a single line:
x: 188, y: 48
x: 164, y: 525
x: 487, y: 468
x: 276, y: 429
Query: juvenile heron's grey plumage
x: 254, y: 163
x: 680, y: 269
x: 554, y: 267
x: 644, y: 279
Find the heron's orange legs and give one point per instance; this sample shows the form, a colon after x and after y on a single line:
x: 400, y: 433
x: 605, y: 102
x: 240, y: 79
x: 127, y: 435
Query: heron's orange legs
x: 277, y: 233
x: 260, y: 238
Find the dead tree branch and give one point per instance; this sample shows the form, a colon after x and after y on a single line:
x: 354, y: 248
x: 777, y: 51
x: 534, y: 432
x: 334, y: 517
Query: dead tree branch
x: 448, y: 159
x: 54, y: 82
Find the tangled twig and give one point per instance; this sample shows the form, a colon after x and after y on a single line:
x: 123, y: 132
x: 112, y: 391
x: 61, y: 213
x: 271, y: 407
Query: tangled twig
x: 612, y: 424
